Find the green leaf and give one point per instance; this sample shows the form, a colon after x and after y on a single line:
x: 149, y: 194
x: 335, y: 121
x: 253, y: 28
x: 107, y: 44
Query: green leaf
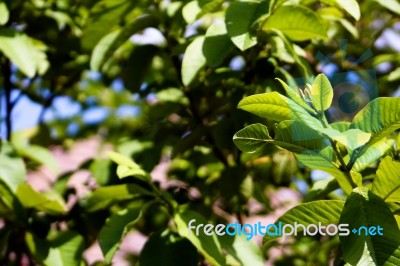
x: 33, y: 199
x: 103, y: 197
x: 314, y: 212
x: 168, y: 248
x: 321, y: 93
x: 112, y: 41
x: 324, y: 163
x: 252, y: 137
x: 190, y: 11
x: 4, y: 13
x: 274, y: 106
x: 296, y: 22
x: 240, y: 15
x: 66, y: 250
x: 28, y: 54
x: 138, y: 65
x: 364, y: 208
x: 351, y: 6
x: 296, y: 97
x: 40, y: 155
x: 243, y: 252
x: 291, y: 135
x: 379, y: 117
x: 217, y: 45
x: 209, y: 246
x: 114, y: 230
x: 387, y: 181
x: 372, y: 154
x: 392, y: 5
x: 12, y: 167
x: 193, y: 60
x: 127, y: 167
x: 352, y: 138
x: 103, y: 17
x: 341, y: 126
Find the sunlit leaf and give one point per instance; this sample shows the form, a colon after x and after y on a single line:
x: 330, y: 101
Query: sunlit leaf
x: 296, y: 22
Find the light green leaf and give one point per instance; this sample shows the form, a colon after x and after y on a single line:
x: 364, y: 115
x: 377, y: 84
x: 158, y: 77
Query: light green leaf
x: 314, y: 212
x: 103, y: 197
x: 296, y: 22
x: 274, y: 106
x: 217, y: 45
x: 240, y: 15
x: 33, y: 199
x: 113, y: 40
x: 322, y: 162
x: 4, y: 13
x: 66, y: 250
x: 372, y: 154
x: 379, y: 117
x: 127, y: 167
x: 351, y: 6
x: 193, y: 60
x: 12, y: 167
x: 190, y: 11
x: 352, y: 138
x: 296, y: 97
x: 241, y: 251
x: 392, y: 5
x: 40, y: 155
x: 209, y: 246
x: 365, y: 209
x: 27, y: 53
x: 387, y: 181
x: 321, y: 93
x: 341, y: 126
x: 115, y: 229
x: 169, y: 248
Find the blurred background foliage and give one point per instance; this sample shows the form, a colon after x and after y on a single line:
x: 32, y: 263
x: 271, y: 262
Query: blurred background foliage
x: 159, y: 82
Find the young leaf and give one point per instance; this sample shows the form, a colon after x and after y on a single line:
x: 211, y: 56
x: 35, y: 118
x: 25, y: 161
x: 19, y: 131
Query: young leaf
x: 127, y: 167
x: 296, y: 22
x: 296, y: 97
x: 387, y: 181
x: 114, y: 230
x: 321, y: 93
x: 169, y: 248
x: 244, y: 252
x: 193, y: 60
x: 314, y: 212
x: 365, y: 209
x: 209, y: 246
x: 239, y: 17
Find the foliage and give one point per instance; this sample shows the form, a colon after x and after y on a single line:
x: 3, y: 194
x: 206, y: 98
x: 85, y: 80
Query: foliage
x: 173, y: 82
